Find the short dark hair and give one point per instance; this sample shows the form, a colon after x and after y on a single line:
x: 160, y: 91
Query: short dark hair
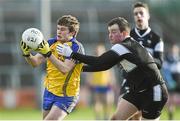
x: 141, y: 4
x: 71, y: 22
x: 121, y: 22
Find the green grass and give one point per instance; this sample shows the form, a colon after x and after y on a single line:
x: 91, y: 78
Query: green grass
x: 164, y: 115
x: 81, y: 114
x: 20, y: 114
x: 77, y: 114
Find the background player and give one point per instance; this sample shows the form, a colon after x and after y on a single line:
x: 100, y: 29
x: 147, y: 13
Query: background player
x: 144, y: 34
x: 62, y: 81
x: 171, y: 73
x: 143, y: 76
x: 102, y: 84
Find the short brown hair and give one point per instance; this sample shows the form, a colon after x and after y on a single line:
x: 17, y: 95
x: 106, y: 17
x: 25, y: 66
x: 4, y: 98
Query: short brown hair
x: 121, y: 22
x: 140, y: 4
x: 71, y: 22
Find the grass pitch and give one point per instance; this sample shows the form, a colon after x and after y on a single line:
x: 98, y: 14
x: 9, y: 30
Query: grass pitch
x: 77, y: 114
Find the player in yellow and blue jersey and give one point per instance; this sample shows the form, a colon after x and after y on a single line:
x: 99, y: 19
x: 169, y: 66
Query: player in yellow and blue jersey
x: 102, y: 84
x: 62, y: 81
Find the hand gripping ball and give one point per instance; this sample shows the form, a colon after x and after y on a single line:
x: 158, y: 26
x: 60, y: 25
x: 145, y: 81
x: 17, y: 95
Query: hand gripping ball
x: 32, y: 37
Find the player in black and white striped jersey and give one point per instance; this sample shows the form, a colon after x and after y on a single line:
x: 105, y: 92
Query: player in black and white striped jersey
x: 143, y: 34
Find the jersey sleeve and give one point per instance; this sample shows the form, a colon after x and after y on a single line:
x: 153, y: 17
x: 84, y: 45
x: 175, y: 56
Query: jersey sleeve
x: 98, y: 63
x: 120, y: 49
x: 159, y: 46
x: 77, y: 48
x: 51, y: 41
x: 158, y: 53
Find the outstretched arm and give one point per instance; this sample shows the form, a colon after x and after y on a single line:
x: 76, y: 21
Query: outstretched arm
x: 100, y: 63
x: 89, y: 68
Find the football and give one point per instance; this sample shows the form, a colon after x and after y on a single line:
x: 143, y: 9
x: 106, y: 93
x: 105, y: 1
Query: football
x: 32, y: 37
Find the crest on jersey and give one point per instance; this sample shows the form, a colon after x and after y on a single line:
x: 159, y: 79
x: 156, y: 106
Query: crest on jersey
x: 149, y: 41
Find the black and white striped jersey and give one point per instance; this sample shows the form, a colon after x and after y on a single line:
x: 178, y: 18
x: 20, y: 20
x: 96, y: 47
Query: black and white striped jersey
x: 140, y: 67
x: 142, y: 72
x: 151, y: 41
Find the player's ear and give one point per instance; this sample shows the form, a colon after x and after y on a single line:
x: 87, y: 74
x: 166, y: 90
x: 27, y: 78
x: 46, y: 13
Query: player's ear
x: 125, y: 33
x: 148, y: 15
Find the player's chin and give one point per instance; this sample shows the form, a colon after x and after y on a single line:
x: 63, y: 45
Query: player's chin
x: 112, y: 42
x: 62, y: 40
x: 58, y: 38
x: 140, y: 22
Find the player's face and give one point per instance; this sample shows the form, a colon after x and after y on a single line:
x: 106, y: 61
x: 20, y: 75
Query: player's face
x: 63, y: 33
x: 141, y: 17
x: 115, y: 35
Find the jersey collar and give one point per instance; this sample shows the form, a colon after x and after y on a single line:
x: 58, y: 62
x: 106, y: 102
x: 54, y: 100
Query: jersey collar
x: 73, y: 39
x: 145, y: 33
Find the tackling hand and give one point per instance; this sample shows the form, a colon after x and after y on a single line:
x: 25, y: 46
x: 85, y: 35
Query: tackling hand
x: 25, y: 49
x: 44, y: 49
x: 64, y: 50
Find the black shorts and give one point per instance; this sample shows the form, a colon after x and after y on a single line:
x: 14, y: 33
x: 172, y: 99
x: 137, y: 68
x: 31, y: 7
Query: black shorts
x: 149, y: 101
x: 124, y: 88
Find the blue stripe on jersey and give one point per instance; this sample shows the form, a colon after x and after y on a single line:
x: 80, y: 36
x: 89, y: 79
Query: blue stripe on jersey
x: 75, y: 46
x: 51, y: 41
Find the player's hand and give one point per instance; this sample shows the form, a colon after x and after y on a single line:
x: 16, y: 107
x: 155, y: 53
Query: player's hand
x: 25, y: 49
x: 44, y: 49
x: 64, y: 50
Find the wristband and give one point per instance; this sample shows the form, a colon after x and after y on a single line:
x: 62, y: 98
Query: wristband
x: 26, y: 55
x: 71, y: 56
x: 47, y: 55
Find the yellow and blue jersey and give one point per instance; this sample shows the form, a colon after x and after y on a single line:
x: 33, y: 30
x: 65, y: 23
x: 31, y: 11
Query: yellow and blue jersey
x: 101, y: 79
x: 100, y: 82
x: 63, y: 84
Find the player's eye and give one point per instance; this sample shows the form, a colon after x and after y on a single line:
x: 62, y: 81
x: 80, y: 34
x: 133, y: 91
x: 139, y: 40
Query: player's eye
x: 113, y: 31
x: 141, y: 13
x: 138, y: 13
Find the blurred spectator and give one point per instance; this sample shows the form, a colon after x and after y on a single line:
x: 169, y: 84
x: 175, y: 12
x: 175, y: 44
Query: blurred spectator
x: 101, y: 85
x: 171, y: 72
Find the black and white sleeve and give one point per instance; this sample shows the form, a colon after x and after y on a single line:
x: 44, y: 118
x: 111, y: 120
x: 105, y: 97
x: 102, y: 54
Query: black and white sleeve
x: 103, y: 62
x: 158, y: 54
x: 100, y: 63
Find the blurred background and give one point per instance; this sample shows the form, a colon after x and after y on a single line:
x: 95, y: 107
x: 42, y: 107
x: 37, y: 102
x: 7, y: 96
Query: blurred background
x: 21, y: 85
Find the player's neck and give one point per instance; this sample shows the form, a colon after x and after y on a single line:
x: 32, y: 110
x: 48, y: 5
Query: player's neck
x: 143, y: 27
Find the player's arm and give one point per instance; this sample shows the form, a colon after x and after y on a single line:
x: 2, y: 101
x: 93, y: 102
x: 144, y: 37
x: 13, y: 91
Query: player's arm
x: 158, y: 54
x: 63, y: 67
x: 158, y: 58
x: 45, y: 52
x: 68, y: 64
x: 101, y: 63
x: 33, y: 60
